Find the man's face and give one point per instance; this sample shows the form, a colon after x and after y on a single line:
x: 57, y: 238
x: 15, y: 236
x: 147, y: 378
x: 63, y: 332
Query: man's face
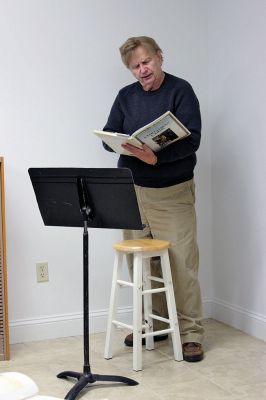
x: 146, y: 66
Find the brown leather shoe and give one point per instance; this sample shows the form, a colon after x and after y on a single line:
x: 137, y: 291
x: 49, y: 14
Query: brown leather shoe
x: 192, y: 352
x: 129, y: 339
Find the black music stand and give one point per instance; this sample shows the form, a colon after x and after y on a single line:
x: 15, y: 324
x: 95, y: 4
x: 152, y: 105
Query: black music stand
x: 87, y: 197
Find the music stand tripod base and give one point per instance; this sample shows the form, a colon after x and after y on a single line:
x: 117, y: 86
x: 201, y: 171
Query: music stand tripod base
x: 86, y: 378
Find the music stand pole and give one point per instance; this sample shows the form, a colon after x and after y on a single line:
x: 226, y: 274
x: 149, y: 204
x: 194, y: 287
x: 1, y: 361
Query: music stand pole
x: 87, y: 377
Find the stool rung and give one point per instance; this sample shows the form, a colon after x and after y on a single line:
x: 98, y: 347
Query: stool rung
x: 124, y: 283
x: 155, y: 333
x: 118, y: 323
x: 154, y: 278
x: 159, y: 290
x: 153, y: 316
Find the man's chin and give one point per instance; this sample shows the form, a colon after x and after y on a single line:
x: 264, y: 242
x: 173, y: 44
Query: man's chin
x: 146, y: 86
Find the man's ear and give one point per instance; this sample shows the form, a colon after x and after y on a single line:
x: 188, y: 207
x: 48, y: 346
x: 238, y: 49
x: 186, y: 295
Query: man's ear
x: 160, y: 55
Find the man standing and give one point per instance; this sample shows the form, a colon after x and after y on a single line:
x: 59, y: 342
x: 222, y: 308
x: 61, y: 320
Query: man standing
x: 164, y: 181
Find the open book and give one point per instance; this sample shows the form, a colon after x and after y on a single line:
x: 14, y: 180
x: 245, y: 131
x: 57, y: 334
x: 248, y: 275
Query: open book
x: 17, y: 386
x: 158, y: 134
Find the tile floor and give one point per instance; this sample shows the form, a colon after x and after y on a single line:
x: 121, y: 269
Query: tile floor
x: 234, y: 367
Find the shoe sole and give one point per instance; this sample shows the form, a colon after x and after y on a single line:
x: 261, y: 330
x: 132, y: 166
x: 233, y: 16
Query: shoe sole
x: 158, y: 338
x: 195, y: 358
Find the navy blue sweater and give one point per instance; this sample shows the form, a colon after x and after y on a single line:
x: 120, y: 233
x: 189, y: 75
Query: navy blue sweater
x: 134, y: 108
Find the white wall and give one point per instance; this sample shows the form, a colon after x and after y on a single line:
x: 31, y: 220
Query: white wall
x: 237, y: 103
x: 59, y: 73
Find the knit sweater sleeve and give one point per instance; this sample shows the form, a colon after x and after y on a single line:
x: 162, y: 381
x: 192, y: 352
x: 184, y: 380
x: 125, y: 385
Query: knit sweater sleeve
x: 186, y: 108
x: 114, y: 122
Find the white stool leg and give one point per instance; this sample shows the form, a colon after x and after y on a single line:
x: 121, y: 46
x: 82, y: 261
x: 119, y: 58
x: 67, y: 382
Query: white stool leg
x: 171, y: 305
x: 137, y: 312
x: 147, y: 301
x: 113, y: 304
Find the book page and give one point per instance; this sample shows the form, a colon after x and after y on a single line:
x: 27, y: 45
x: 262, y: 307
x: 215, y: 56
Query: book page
x: 16, y: 386
x: 162, y: 132
x: 115, y: 141
x: 157, y: 134
x: 44, y: 398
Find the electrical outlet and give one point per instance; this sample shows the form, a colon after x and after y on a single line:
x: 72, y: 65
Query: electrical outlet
x: 42, y: 272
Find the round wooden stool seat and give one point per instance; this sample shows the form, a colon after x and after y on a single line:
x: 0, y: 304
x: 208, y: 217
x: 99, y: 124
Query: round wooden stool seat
x: 141, y: 245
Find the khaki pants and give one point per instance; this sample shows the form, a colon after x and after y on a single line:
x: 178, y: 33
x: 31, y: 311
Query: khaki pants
x: 169, y: 214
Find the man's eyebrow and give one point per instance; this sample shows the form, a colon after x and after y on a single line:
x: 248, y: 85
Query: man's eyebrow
x: 147, y: 59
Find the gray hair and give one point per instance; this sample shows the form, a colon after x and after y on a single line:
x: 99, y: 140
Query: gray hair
x: 132, y: 43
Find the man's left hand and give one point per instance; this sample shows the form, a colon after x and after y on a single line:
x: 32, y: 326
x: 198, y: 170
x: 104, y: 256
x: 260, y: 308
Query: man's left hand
x: 144, y: 154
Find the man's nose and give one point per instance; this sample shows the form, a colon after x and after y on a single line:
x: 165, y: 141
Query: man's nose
x: 142, y: 69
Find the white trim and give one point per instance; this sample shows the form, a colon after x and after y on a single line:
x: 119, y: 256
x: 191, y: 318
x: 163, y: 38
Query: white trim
x: 51, y: 327
x: 65, y: 325
x: 252, y: 323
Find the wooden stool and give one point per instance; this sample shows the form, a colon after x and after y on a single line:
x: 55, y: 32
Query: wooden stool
x: 143, y: 250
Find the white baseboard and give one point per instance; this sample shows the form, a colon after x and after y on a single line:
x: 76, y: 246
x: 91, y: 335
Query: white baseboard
x: 27, y: 330
x: 245, y: 320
